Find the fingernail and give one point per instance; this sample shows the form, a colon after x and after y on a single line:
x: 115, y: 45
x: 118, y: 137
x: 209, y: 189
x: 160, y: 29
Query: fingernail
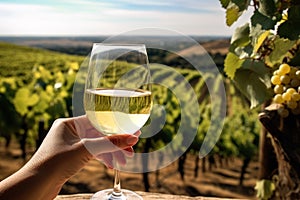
x: 109, y: 166
x: 132, y: 140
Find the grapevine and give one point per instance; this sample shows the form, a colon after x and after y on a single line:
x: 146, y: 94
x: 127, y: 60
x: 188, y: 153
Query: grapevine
x: 263, y: 61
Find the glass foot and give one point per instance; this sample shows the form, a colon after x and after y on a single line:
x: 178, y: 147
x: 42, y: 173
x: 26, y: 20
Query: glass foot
x: 107, y: 195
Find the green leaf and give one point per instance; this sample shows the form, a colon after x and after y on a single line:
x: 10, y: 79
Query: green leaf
x: 232, y: 14
x: 294, y: 13
x: 44, y: 102
x: 290, y: 29
x: 41, y: 106
x: 10, y: 119
x: 253, y: 86
x: 57, y: 108
x: 240, y: 38
x: 295, y: 61
x: 281, y: 49
x: 260, y: 40
x: 267, y: 7
x: 252, y: 79
x: 240, y: 42
x: 259, y: 68
x: 265, y: 189
x: 232, y: 63
x: 255, y: 32
x: 224, y: 3
x: 264, y: 21
x: 242, y: 4
x: 24, y: 99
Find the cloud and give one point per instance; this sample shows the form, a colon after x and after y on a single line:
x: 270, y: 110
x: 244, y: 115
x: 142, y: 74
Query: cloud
x: 67, y: 17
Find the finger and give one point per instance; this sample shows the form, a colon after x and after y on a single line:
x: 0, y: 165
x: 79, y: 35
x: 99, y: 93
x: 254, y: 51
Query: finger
x: 111, y: 143
x: 128, y: 152
x: 84, y: 128
x: 123, y: 141
x: 119, y: 157
x: 107, y: 159
x: 138, y: 133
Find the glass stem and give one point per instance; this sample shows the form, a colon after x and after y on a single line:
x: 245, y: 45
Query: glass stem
x: 117, y: 184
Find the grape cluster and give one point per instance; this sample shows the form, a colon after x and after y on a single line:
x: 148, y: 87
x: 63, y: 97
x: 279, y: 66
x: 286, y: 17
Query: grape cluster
x: 286, y: 82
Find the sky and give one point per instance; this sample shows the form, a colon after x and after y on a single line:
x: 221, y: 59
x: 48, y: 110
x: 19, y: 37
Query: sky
x: 110, y: 17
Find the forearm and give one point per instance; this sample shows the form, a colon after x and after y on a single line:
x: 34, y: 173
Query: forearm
x: 29, y: 184
x: 40, y: 179
x: 61, y: 155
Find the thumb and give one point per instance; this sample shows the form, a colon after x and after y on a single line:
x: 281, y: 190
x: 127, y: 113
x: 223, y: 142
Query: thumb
x: 109, y: 144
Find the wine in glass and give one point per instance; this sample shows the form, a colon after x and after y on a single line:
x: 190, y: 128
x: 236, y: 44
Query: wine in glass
x: 117, y: 97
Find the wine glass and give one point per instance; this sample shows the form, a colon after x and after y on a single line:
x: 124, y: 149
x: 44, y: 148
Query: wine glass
x: 117, y: 97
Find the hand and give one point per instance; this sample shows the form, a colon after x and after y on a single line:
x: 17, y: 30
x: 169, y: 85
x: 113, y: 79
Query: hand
x: 118, y: 147
x: 67, y: 148
x: 76, y: 138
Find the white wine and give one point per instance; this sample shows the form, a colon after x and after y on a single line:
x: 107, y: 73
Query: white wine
x: 114, y: 111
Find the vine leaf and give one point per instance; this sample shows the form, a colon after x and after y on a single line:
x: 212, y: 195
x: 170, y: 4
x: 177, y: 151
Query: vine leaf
x: 24, y: 99
x: 265, y: 189
x: 253, y: 86
x: 292, y: 23
x: 251, y: 77
x: 284, y: 30
x: 240, y: 38
x: 8, y: 116
x: 234, y: 9
x: 280, y: 51
x: 242, y: 4
x: 232, y: 63
x: 267, y: 7
x: 259, y: 68
x: 44, y: 102
x: 295, y: 60
x: 232, y: 14
x: 264, y: 21
x: 224, y: 3
x: 260, y: 41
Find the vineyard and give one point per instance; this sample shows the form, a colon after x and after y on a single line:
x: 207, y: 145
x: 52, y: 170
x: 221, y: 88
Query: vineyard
x: 259, y: 68
x: 36, y: 88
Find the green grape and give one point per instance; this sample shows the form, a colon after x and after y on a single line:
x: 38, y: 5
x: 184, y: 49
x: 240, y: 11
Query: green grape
x: 292, y: 104
x: 275, y: 80
x: 285, y: 79
x: 295, y: 96
x: 278, y: 89
x: 283, y: 112
x: 286, y: 96
x: 297, y: 73
x: 291, y: 91
x: 284, y: 69
x: 275, y: 72
x: 295, y: 82
x: 296, y: 111
x: 286, y: 87
x: 278, y: 99
x: 293, y: 72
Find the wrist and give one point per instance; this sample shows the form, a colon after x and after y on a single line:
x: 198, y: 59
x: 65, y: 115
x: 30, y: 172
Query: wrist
x: 59, y: 166
x: 29, y: 183
x: 44, y: 178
